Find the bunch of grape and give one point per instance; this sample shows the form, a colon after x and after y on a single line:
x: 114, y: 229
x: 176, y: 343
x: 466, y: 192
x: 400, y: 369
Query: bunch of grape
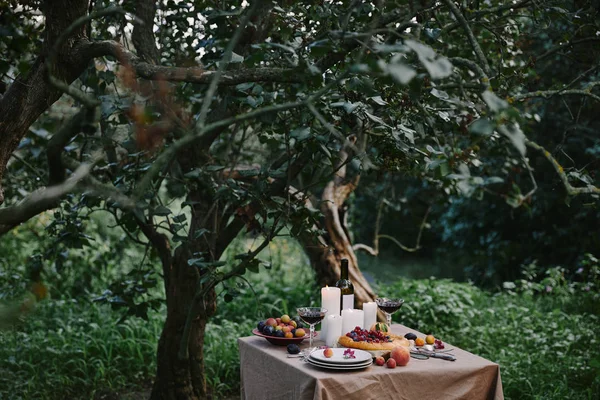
x: 363, y: 335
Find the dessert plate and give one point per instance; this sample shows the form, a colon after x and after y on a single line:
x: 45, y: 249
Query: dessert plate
x: 360, y: 356
x: 340, y: 367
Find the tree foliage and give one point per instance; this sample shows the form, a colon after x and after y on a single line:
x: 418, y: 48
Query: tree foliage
x: 190, y: 122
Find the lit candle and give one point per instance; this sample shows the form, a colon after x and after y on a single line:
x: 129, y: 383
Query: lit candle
x: 351, y: 318
x: 330, y: 300
x: 334, y: 329
x: 370, y: 310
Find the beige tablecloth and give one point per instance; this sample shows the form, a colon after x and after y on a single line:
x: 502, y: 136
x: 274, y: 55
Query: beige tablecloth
x: 267, y: 373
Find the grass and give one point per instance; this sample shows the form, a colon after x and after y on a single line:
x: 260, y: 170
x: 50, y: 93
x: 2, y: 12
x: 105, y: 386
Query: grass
x: 547, y: 346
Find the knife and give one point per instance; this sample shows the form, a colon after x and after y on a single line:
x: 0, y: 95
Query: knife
x: 423, y: 355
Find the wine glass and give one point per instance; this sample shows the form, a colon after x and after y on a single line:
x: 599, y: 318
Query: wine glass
x: 312, y: 316
x: 389, y: 306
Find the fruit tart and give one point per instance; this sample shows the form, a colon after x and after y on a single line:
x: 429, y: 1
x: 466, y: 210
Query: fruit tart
x: 372, y: 340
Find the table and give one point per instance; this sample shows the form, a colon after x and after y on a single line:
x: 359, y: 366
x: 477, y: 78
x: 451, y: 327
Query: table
x: 267, y: 373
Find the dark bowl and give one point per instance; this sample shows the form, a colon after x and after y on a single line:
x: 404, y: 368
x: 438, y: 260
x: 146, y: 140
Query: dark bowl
x: 279, y: 341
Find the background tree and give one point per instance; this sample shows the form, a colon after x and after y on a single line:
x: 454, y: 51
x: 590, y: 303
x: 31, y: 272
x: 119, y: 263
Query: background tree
x: 291, y: 103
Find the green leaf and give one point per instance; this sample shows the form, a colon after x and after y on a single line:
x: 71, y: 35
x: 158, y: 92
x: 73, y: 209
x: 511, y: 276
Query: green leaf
x: 379, y: 100
x: 348, y: 107
x: 161, y: 211
x: 376, y: 119
x: 214, y: 168
x: 482, y: 126
x: 200, y: 232
x: 249, y: 172
x: 300, y: 134
x: 401, y: 73
x: 179, y: 218
x: 514, y: 133
x: 438, y: 66
x: 244, y: 87
x: 494, y: 102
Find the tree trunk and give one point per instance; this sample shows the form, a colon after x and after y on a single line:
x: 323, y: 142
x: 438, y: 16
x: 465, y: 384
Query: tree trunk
x: 179, y: 379
x: 326, y: 253
x: 325, y: 258
x: 28, y: 97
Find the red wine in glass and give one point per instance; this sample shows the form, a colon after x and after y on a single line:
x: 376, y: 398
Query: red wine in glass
x: 389, y: 306
x: 312, y: 316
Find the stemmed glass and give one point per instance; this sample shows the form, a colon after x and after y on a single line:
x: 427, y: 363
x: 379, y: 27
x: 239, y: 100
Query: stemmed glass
x: 389, y: 306
x: 312, y: 316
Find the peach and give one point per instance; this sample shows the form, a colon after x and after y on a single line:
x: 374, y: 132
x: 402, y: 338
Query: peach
x: 401, y: 355
x: 380, y: 361
x: 430, y: 339
x: 391, y: 363
x: 288, y: 335
x: 419, y: 342
x: 286, y: 329
x: 279, y: 328
x: 300, y: 332
x: 271, y: 322
x: 328, y: 352
x: 285, y: 319
x: 294, y: 324
x: 278, y: 320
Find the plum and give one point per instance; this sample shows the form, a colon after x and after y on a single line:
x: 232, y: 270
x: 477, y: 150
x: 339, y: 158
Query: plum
x: 293, y: 348
x: 268, y: 330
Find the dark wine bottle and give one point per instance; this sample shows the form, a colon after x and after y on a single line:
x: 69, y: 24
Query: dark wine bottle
x: 346, y: 287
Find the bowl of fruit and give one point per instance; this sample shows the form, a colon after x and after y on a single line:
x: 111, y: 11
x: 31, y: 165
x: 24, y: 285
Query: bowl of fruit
x: 282, y: 331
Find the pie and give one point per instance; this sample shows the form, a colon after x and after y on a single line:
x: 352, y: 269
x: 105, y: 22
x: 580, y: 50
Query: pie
x: 372, y: 340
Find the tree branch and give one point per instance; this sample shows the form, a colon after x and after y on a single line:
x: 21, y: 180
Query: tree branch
x: 567, y: 44
x: 492, y: 10
x: 191, y: 74
x: 40, y: 200
x: 374, y: 251
x: 143, y: 31
x: 56, y: 144
x: 549, y: 93
x: 463, y: 22
x: 571, y: 191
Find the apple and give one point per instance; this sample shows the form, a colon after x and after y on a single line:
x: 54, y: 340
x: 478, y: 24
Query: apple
x: 300, y: 332
x: 271, y: 322
x: 380, y: 361
x: 391, y: 363
x: 328, y: 352
x: 401, y: 355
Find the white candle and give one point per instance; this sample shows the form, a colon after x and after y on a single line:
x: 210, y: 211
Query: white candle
x: 351, y: 318
x: 330, y: 300
x: 334, y: 329
x: 370, y: 310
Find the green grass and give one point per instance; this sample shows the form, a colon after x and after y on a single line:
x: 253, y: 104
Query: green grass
x: 548, y: 346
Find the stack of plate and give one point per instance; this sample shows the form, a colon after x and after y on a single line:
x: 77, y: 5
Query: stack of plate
x: 361, y: 360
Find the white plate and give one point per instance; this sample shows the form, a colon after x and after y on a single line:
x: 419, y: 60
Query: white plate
x: 338, y: 356
x: 340, y: 367
x: 324, y: 363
